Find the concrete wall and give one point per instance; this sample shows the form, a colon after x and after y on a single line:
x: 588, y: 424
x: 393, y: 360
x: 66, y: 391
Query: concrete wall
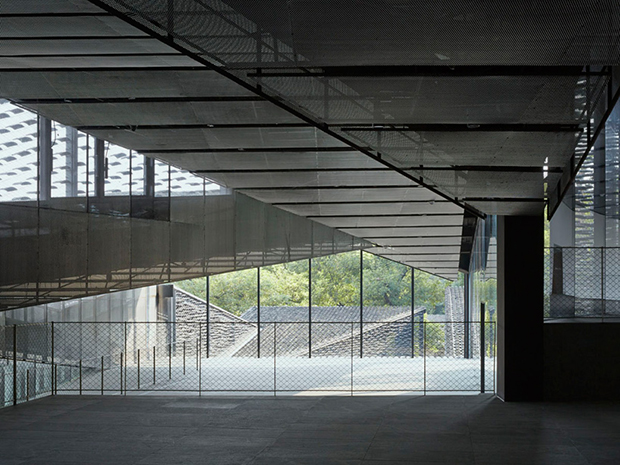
x: 581, y: 361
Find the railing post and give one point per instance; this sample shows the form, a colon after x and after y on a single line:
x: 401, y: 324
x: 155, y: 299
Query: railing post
x: 121, y: 367
x: 199, y: 359
x: 52, y: 371
x: 102, y: 368
x: 424, y: 323
x: 482, y: 348
x: 154, y: 354
x: 352, y: 355
x: 14, y: 364
x: 170, y: 361
x: 138, y: 369
x: 274, y: 359
x: 603, y: 281
x: 258, y: 313
x: 309, y: 308
x: 27, y: 385
x: 412, y: 313
x: 361, y: 303
x: 183, y: 357
x: 80, y: 376
x: 126, y: 357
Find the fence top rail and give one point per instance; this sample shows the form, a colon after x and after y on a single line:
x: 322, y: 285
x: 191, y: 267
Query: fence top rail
x: 581, y: 248
x: 252, y: 323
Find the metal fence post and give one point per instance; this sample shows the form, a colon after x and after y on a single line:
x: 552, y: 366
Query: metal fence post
x: 138, y: 369
x: 274, y: 359
x: 14, y: 364
x: 154, y: 355
x: 361, y: 303
x: 482, y: 348
x: 424, y: 351
x: 121, y: 367
x: 170, y: 361
x: 352, y: 355
x: 102, y: 368
x: 183, y: 357
x: 258, y: 312
x: 27, y: 385
x: 80, y: 376
x: 126, y: 358
x: 52, y: 371
x: 412, y: 314
x: 603, y: 281
x: 199, y: 359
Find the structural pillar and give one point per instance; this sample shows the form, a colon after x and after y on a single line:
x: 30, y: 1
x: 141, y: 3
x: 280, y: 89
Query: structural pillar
x: 45, y: 159
x: 520, y: 273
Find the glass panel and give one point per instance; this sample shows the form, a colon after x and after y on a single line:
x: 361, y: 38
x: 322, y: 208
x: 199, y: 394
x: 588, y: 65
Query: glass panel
x: 18, y: 154
x: 162, y: 179
x: 236, y: 292
x: 386, y: 289
x: 183, y: 183
x: 335, y: 287
x: 284, y: 292
x: 137, y: 173
x: 117, y: 180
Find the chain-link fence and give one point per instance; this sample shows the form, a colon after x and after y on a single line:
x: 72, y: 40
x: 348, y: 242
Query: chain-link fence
x: 582, y: 282
x: 244, y: 357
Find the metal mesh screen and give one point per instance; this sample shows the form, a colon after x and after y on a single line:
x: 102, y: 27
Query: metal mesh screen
x: 273, y: 357
x: 582, y: 282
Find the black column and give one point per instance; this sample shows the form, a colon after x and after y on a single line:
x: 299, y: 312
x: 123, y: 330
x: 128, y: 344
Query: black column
x: 100, y: 168
x: 520, y: 308
x: 45, y: 158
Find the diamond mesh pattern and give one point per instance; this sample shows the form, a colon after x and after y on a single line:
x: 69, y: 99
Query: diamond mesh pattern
x: 582, y: 282
x: 345, y: 357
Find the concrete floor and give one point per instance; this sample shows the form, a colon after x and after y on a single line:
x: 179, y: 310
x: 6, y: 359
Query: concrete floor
x: 307, y: 430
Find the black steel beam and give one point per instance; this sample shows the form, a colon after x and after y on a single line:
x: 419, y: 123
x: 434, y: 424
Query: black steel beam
x: 117, y: 100
x: 92, y: 69
x: 249, y: 150
x: 74, y: 38
x: 387, y: 215
x: 505, y: 199
x: 415, y: 254
x: 293, y: 170
x: 55, y: 14
x: 400, y: 226
x: 411, y: 237
x: 334, y: 187
x: 357, y: 202
x: 424, y: 71
x: 159, y: 127
x: 91, y: 55
x: 508, y: 169
x: 462, y: 127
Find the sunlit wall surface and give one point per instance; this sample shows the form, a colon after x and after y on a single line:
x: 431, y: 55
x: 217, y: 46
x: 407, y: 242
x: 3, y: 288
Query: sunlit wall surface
x: 80, y: 216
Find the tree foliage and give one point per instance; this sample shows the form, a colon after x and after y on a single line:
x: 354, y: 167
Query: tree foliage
x: 335, y: 281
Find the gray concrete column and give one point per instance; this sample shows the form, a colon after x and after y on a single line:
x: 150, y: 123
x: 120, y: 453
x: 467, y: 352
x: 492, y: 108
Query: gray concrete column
x: 520, y: 274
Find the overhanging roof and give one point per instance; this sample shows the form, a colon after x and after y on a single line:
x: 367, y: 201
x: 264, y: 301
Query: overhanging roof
x: 385, y: 123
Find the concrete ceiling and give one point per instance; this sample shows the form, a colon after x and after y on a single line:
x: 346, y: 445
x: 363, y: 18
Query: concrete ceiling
x: 389, y: 124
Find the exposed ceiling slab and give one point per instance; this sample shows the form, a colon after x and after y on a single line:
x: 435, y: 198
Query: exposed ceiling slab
x: 451, y: 107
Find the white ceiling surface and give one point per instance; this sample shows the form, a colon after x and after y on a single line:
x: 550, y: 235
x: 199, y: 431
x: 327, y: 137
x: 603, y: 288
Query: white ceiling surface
x: 99, y: 73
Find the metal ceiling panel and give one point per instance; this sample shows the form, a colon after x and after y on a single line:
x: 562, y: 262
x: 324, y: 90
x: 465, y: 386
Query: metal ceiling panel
x: 370, y: 209
x: 178, y: 113
x: 403, y: 193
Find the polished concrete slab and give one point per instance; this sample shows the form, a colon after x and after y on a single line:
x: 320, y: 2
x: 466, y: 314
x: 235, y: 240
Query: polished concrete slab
x: 149, y: 430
